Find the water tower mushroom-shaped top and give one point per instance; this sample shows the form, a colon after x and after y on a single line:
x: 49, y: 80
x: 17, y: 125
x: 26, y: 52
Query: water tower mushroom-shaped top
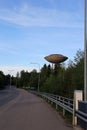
x: 56, y: 58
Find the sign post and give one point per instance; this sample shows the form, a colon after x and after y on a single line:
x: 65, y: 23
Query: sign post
x: 85, y: 50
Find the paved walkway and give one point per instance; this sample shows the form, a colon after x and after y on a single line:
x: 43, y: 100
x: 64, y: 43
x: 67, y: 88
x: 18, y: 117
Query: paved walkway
x: 29, y: 112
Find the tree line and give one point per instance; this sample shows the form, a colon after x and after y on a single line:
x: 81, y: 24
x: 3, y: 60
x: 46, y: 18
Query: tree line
x: 60, y: 79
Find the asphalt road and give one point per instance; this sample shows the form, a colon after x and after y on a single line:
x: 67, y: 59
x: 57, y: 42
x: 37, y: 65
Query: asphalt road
x: 8, y: 95
x: 29, y: 112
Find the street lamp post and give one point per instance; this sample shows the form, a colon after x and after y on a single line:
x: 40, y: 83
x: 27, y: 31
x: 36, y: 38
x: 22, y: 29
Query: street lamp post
x: 38, y: 75
x: 85, y: 50
x: 10, y: 77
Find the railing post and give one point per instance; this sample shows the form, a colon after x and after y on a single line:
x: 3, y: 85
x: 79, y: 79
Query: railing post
x: 48, y: 100
x: 69, y: 103
x: 78, y: 96
x: 51, y: 102
x: 56, y: 104
x: 63, y: 109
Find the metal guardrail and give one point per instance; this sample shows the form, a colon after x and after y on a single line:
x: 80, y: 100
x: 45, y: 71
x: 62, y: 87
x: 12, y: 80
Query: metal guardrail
x: 65, y: 103
x: 81, y: 115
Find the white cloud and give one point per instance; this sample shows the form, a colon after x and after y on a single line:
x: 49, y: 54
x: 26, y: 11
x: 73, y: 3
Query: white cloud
x: 14, y: 69
x: 32, y: 16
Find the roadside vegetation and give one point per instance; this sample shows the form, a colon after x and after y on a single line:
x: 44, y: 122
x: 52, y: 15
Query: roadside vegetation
x: 61, y: 80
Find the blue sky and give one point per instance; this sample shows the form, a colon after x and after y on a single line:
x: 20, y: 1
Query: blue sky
x: 32, y: 29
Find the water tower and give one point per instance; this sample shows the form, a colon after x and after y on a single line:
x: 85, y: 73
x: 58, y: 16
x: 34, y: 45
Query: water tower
x: 55, y: 59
